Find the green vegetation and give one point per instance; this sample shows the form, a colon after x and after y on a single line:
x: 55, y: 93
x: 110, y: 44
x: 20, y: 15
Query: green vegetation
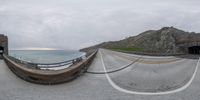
x: 128, y: 49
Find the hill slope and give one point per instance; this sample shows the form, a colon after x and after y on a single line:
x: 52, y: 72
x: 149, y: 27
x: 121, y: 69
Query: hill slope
x: 152, y: 41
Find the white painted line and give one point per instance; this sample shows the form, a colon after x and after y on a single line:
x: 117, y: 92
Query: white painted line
x: 148, y: 93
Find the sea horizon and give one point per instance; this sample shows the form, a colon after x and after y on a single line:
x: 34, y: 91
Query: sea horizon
x: 46, y: 56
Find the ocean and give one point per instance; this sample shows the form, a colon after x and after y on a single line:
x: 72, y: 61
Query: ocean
x: 45, y: 56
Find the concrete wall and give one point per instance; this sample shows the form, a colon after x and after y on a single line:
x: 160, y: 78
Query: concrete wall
x: 49, y: 77
x: 4, y: 43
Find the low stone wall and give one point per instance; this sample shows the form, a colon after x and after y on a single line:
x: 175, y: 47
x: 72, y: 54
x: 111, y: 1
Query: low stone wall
x: 152, y: 54
x: 49, y: 77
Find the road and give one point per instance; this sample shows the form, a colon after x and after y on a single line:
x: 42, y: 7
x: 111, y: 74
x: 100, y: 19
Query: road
x: 131, y: 77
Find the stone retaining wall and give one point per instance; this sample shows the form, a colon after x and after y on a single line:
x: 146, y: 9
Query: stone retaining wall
x: 153, y: 54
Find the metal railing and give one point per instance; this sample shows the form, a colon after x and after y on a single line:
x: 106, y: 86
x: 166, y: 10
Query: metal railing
x: 46, y: 65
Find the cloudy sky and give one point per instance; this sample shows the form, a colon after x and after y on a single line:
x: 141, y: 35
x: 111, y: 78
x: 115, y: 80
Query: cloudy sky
x: 74, y: 24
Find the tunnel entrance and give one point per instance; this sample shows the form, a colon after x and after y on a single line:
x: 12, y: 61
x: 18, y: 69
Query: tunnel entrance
x: 1, y: 52
x: 194, y: 50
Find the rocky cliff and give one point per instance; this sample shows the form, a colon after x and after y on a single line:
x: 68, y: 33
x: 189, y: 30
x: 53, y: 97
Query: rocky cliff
x: 165, y: 40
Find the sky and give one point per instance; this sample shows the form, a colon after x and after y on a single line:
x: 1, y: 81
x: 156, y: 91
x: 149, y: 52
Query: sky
x: 75, y: 24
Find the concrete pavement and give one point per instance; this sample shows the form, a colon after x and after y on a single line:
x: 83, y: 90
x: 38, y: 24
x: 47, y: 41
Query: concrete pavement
x: 144, y: 74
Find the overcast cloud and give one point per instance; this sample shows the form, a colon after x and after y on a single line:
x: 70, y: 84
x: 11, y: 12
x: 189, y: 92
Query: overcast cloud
x: 73, y: 24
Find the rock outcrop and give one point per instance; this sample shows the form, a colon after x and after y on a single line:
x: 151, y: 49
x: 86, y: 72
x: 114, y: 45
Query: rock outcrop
x: 166, y: 40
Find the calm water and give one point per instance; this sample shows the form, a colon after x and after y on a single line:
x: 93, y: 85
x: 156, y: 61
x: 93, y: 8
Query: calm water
x: 45, y: 56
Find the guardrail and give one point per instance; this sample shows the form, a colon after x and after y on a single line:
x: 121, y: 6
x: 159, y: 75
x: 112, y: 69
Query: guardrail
x: 48, y: 77
x: 46, y: 65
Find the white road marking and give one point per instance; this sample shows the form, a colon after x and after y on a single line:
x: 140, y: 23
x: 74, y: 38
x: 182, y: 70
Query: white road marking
x: 147, y: 93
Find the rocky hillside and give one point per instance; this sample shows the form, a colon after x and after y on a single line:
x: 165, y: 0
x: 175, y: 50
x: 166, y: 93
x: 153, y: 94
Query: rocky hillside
x: 164, y: 40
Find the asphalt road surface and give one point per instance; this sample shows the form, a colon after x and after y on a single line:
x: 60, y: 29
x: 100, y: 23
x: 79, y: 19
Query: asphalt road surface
x: 128, y: 77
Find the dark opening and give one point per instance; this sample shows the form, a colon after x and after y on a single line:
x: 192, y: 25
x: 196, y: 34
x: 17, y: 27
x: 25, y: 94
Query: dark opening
x: 1, y: 51
x: 194, y: 50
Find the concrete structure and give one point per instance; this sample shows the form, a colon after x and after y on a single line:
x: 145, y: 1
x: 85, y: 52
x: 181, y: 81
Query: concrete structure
x: 189, y: 46
x: 31, y: 72
x: 34, y: 74
x: 3, y: 44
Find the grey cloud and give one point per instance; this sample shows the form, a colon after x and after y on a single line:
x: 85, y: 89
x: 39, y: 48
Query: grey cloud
x: 73, y: 24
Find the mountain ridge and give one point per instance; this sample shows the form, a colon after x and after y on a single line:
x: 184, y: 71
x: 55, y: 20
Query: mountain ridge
x: 164, y: 40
